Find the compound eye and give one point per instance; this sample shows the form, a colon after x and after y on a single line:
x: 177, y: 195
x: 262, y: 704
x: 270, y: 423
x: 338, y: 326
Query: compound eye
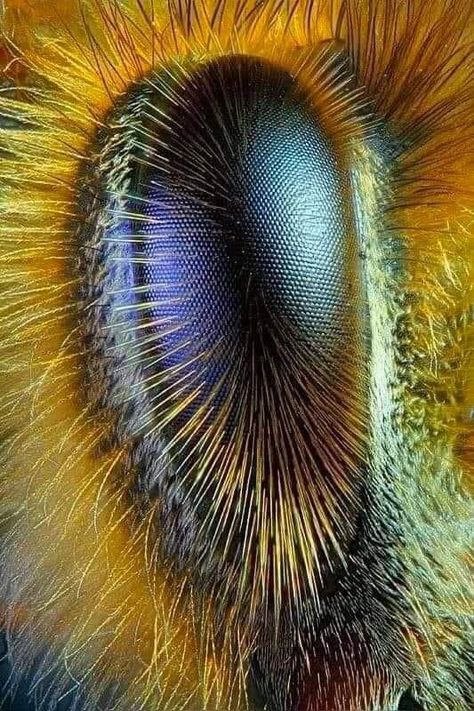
x: 239, y: 325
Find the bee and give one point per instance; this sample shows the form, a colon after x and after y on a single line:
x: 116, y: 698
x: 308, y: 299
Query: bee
x: 237, y: 385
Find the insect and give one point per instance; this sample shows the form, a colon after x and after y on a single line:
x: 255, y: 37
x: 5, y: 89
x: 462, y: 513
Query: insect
x: 237, y: 353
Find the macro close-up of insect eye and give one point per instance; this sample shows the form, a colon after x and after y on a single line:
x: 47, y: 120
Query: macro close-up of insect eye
x: 237, y: 355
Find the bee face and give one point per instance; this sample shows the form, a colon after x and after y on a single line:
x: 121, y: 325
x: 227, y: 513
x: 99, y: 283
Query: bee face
x: 238, y: 429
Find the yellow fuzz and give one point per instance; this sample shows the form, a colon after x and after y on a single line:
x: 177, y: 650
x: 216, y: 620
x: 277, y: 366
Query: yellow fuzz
x: 83, y: 573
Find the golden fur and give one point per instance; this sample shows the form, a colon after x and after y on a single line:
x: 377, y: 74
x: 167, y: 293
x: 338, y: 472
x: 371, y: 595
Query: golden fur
x: 79, y: 575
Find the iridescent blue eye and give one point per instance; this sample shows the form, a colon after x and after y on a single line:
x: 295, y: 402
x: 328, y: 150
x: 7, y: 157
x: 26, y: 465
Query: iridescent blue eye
x: 232, y: 297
